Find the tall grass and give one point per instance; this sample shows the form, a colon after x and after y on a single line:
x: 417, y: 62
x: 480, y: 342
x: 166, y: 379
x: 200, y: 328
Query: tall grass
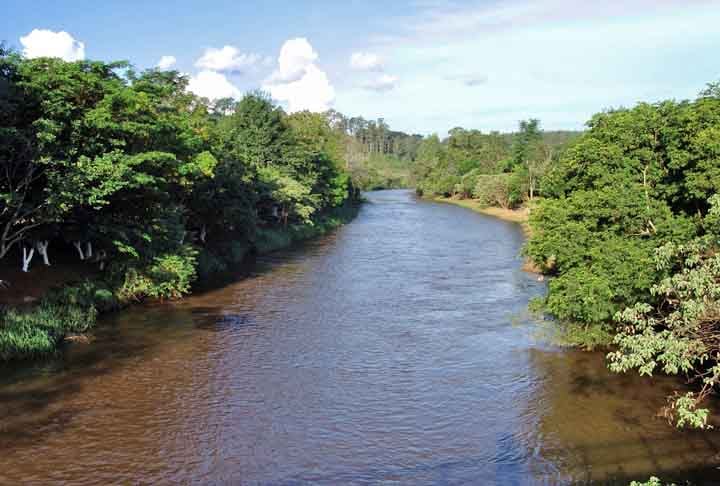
x: 37, y: 331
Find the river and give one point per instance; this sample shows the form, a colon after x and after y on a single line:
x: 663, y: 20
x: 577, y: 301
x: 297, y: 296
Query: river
x: 397, y: 350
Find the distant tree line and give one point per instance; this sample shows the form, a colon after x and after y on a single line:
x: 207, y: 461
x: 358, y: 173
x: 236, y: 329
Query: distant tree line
x: 500, y: 169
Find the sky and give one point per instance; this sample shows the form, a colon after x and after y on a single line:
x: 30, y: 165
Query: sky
x: 425, y: 66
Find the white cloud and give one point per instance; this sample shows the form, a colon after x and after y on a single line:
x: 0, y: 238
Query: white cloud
x: 46, y: 43
x: 385, y: 82
x: 365, y: 61
x: 228, y: 58
x: 298, y: 81
x: 166, y: 62
x: 212, y: 85
x: 296, y: 55
x: 312, y: 92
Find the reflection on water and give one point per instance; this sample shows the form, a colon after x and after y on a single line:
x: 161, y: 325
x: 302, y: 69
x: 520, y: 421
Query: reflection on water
x: 384, y: 353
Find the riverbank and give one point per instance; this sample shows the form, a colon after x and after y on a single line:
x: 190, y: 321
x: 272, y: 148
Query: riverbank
x: 38, y: 327
x: 519, y: 216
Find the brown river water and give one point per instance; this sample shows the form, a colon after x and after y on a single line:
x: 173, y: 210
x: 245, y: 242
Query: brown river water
x: 397, y: 350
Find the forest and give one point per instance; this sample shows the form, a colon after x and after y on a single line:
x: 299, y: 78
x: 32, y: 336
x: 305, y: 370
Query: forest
x: 146, y: 187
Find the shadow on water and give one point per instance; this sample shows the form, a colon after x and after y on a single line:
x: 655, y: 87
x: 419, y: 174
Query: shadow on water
x: 29, y: 391
x: 605, y: 428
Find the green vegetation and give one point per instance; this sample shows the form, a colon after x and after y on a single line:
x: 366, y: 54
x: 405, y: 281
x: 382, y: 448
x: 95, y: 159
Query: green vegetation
x: 381, y: 171
x: 496, y: 169
x: 377, y: 157
x: 653, y: 481
x: 629, y: 230
x: 149, y: 184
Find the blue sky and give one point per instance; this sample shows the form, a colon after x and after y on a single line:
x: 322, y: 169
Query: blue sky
x: 424, y: 65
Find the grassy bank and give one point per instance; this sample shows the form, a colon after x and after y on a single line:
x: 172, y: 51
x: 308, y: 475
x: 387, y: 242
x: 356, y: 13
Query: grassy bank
x: 32, y: 331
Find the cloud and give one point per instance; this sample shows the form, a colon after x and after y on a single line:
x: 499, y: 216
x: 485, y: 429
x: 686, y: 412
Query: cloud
x: 384, y: 82
x: 226, y: 59
x: 46, y: 43
x: 212, y: 85
x: 365, y: 61
x: 298, y: 81
x: 166, y: 62
x: 312, y: 92
x: 296, y: 55
x: 435, y: 20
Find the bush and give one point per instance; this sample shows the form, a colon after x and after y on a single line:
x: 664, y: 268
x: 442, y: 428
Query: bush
x: 90, y: 293
x: 466, y: 187
x: 492, y: 190
x: 169, y: 276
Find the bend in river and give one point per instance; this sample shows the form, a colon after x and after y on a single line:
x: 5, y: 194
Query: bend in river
x: 393, y: 351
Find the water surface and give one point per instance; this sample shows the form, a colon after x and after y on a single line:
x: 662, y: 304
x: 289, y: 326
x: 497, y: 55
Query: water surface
x: 394, y: 351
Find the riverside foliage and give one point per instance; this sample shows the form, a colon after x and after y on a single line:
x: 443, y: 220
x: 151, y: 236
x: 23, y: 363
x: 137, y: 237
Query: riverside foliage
x: 628, y: 228
x: 148, y: 183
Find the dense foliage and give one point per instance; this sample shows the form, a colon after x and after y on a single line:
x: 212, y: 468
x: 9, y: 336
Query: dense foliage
x: 497, y: 169
x: 628, y: 227
x: 148, y: 182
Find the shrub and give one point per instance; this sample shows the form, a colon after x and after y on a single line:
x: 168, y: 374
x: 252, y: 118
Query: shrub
x: 468, y: 182
x: 90, y: 293
x: 169, y: 276
x: 492, y: 190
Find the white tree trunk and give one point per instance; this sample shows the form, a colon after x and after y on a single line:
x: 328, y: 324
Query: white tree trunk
x: 42, y: 248
x: 203, y: 234
x: 78, y: 245
x: 27, y: 257
x: 101, y: 257
x: 88, y: 250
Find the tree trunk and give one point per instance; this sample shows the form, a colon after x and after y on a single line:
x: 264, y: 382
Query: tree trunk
x: 42, y: 248
x: 27, y: 258
x: 78, y: 245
